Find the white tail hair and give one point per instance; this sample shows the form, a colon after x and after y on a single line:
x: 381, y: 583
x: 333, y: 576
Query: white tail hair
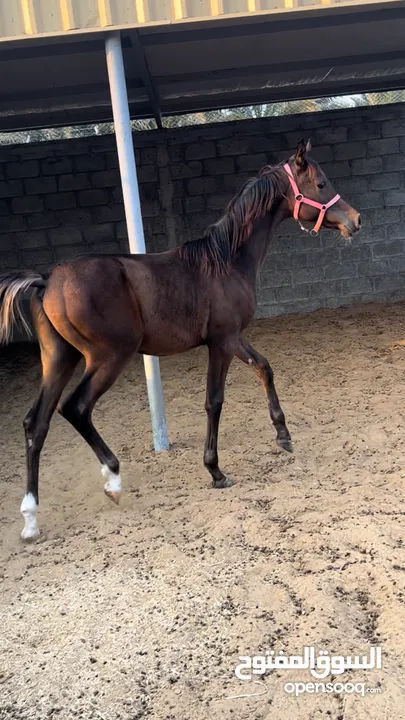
x: 12, y: 286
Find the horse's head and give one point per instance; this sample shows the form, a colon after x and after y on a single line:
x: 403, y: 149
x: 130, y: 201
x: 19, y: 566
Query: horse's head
x: 312, y: 198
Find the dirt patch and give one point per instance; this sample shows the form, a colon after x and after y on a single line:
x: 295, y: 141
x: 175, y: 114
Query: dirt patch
x: 142, y: 611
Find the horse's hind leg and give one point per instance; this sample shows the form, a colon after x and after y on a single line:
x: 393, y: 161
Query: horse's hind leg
x: 261, y: 367
x: 98, y: 377
x: 58, y: 362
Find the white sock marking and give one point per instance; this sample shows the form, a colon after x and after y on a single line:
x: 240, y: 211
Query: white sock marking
x: 113, y: 483
x: 29, y: 510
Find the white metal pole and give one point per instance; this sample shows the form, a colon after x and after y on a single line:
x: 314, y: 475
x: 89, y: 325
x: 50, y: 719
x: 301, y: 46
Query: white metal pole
x: 123, y: 132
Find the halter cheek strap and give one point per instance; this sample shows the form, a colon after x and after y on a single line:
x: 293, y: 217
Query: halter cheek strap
x: 300, y: 199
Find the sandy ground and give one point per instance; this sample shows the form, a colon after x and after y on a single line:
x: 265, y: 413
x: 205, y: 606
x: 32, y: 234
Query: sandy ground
x: 142, y: 611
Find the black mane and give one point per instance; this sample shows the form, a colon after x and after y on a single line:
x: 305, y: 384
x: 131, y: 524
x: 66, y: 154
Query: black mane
x: 220, y: 243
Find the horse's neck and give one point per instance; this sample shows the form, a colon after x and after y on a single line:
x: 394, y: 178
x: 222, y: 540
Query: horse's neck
x: 254, y: 251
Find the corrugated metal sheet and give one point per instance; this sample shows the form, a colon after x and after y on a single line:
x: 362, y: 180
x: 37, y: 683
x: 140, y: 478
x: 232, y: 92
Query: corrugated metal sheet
x: 28, y: 18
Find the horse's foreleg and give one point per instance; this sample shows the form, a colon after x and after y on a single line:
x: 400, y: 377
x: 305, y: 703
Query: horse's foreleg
x: 261, y: 367
x: 77, y: 409
x: 218, y: 365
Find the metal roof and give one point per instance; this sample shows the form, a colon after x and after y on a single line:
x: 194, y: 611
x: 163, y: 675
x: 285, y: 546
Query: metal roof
x: 33, y: 18
x: 179, y: 59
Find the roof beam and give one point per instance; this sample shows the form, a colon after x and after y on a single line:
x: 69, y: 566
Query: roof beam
x: 326, y: 19
x: 256, y: 97
x: 282, y: 67
x: 30, y: 51
x: 62, y: 93
x: 143, y: 69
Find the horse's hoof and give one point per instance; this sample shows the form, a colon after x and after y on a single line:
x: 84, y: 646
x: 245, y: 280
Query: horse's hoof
x: 114, y: 495
x: 30, y: 535
x: 226, y: 482
x: 285, y: 444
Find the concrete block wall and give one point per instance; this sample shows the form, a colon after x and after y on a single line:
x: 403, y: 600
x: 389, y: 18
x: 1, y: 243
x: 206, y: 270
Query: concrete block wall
x: 61, y: 199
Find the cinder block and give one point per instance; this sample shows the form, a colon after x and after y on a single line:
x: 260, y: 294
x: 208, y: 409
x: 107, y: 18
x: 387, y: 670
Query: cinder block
x: 186, y: 170
x: 374, y: 267
x: 340, y: 271
x: 395, y: 197
x: 65, y: 236
x: 385, y: 146
x: 77, y: 181
x: 367, y: 166
x: 9, y: 260
x: 325, y: 289
x: 27, y: 169
x: 389, y: 284
x: 12, y: 223
x: 195, y: 204
x: 56, y: 166
x: 251, y: 163
x: 313, y: 273
x: 108, y: 213
x: 219, y: 166
x: 60, y: 201
x: 365, y: 131
x: 88, y: 198
x: 77, y: 216
x: 289, y: 294
x: 369, y: 200
x: 11, y: 188
x: 31, y: 258
x: 393, y: 128
x: 350, y: 151
x: 233, y: 146
x: 33, y: 239
x: 40, y: 185
x: 331, y: 135
x: 100, y: 233
x: 386, y: 181
x: 148, y: 156
x: 26, y: 205
x: 276, y: 278
x: 202, y: 186
x: 147, y: 173
x: 334, y: 170
x: 388, y: 248
x: 89, y: 163
x: 195, y: 151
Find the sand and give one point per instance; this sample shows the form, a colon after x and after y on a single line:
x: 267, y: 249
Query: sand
x: 141, y: 610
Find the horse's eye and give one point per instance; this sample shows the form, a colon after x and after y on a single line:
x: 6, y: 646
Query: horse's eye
x: 321, y: 185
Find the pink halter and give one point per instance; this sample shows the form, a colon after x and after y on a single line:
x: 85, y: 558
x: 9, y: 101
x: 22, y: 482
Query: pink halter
x: 299, y: 199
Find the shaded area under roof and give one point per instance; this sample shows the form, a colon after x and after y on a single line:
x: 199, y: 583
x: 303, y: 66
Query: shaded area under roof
x: 189, y: 67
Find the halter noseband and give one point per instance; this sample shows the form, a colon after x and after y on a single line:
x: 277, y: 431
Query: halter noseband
x: 299, y: 199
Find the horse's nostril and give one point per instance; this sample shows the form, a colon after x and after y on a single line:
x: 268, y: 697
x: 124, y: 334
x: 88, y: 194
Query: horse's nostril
x: 359, y: 222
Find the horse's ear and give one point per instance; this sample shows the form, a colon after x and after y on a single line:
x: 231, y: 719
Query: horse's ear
x: 300, y: 153
x: 309, y: 146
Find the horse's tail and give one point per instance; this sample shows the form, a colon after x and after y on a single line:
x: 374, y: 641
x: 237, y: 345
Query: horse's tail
x: 12, y: 285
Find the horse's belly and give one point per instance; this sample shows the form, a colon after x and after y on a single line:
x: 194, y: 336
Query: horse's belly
x: 170, y: 342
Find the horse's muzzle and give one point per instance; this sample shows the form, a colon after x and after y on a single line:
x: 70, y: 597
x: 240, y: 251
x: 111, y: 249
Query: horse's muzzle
x: 351, y: 225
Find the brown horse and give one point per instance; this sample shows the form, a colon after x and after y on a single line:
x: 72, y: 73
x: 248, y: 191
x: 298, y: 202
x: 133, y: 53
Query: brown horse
x: 203, y: 293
